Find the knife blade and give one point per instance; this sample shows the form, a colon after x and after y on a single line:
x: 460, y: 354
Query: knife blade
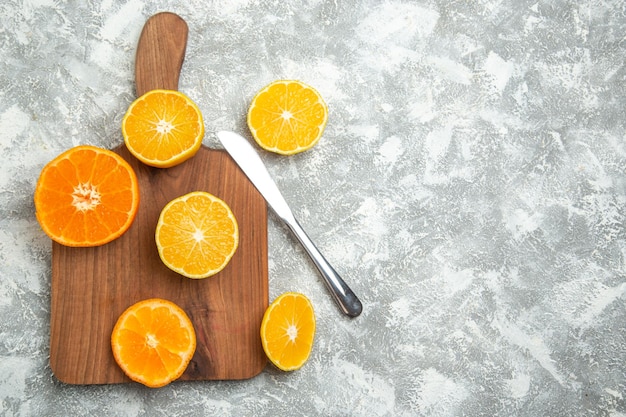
x: 246, y: 157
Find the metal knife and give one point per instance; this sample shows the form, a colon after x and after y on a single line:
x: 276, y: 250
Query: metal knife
x: 251, y: 164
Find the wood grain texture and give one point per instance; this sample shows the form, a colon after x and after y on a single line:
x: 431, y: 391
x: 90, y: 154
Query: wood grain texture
x: 160, y: 53
x: 91, y: 287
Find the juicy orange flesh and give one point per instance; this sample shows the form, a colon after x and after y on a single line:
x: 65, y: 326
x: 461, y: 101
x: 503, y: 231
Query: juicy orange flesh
x: 153, y: 344
x: 197, y: 235
x: 287, y: 116
x: 289, y: 332
x: 86, y: 197
x: 162, y: 126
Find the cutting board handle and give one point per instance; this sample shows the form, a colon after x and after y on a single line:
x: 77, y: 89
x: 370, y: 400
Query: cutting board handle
x: 160, y: 53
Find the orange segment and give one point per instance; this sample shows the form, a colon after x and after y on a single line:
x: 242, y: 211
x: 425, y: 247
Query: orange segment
x: 288, y: 330
x: 87, y: 196
x: 287, y: 117
x: 163, y: 128
x: 197, y: 235
x: 153, y: 342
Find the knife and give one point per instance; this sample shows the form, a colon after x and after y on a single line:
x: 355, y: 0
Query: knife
x: 251, y: 164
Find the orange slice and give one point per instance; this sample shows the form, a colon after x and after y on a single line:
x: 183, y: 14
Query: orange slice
x: 287, y: 117
x: 163, y: 128
x: 197, y: 235
x: 153, y: 342
x: 87, y: 196
x: 288, y: 330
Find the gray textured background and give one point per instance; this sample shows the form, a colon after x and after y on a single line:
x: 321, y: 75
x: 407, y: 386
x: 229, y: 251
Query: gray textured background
x: 470, y: 187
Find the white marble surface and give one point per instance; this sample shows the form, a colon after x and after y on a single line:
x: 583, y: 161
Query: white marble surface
x: 470, y: 187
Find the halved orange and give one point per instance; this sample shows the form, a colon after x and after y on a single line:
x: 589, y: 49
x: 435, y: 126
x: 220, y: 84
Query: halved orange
x: 87, y: 196
x: 163, y: 128
x: 197, y: 235
x: 153, y: 342
x: 288, y: 330
x: 287, y: 117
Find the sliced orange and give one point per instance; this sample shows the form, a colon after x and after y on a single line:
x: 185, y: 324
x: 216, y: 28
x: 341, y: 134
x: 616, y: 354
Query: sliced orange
x: 153, y: 342
x: 197, y: 235
x: 163, y: 128
x: 287, y: 117
x: 288, y: 330
x: 87, y: 196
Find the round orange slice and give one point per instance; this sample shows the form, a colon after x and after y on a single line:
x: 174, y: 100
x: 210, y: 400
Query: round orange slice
x: 163, y: 128
x: 197, y: 235
x: 288, y: 330
x: 87, y: 196
x: 153, y: 342
x: 287, y: 117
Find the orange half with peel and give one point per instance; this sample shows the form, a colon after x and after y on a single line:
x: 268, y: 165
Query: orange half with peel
x: 287, y: 117
x: 153, y: 341
x: 87, y: 196
x: 163, y: 128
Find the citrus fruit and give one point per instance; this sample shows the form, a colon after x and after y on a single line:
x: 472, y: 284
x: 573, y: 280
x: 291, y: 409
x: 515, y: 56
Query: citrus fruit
x: 287, y: 331
x: 287, y: 117
x: 197, y: 235
x: 86, y: 196
x: 163, y: 128
x: 153, y: 342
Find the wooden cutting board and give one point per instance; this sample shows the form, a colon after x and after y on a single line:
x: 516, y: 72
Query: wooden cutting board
x: 91, y: 287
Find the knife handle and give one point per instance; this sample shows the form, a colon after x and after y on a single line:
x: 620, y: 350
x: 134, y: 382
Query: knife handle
x: 342, y: 294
